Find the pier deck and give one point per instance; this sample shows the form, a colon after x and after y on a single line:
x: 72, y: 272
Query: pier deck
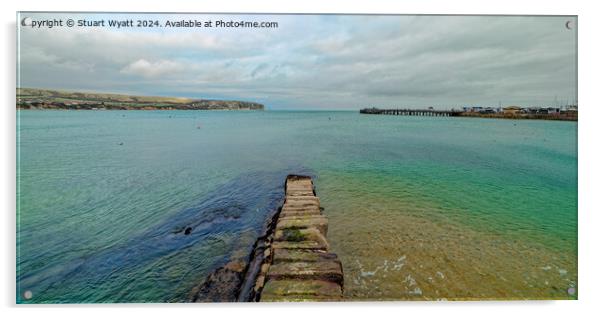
x: 298, y: 265
x: 410, y: 112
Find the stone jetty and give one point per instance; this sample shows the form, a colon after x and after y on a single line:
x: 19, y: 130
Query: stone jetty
x: 298, y: 265
x: 291, y: 261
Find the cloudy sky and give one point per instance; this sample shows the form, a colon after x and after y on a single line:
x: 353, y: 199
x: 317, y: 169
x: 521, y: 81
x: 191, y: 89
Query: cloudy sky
x: 313, y: 61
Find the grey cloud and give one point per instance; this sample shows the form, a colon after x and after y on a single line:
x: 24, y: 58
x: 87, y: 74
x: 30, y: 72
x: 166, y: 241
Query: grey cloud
x: 320, y: 61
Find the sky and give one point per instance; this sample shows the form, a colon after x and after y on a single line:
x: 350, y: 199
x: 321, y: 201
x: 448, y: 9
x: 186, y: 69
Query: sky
x: 312, y: 61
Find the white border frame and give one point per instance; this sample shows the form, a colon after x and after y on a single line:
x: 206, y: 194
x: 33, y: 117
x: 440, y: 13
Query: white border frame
x: 589, y: 153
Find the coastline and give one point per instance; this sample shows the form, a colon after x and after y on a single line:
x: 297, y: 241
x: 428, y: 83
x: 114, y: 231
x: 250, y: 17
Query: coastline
x: 42, y: 99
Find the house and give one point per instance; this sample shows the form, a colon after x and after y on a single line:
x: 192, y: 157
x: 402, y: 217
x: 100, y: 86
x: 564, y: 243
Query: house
x: 512, y: 109
x: 531, y: 110
x: 472, y: 109
x: 487, y: 110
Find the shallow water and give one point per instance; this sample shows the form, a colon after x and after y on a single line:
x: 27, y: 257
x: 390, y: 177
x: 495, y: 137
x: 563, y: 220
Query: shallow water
x: 419, y: 207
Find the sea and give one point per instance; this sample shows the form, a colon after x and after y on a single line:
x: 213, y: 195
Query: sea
x: 419, y: 208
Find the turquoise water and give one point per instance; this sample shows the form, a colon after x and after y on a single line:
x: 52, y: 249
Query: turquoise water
x: 104, y: 196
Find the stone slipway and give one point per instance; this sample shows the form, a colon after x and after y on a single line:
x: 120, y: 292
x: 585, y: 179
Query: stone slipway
x: 298, y: 265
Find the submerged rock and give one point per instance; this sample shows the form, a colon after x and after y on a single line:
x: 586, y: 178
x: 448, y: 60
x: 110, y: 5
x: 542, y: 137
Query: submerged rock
x: 222, y: 285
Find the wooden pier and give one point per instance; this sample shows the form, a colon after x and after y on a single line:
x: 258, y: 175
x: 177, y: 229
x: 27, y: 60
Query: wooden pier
x: 410, y: 112
x: 298, y: 265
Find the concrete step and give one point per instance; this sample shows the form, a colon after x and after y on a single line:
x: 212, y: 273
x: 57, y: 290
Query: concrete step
x: 292, y: 255
x: 300, y: 187
x: 302, y: 201
x: 326, y: 271
x: 307, y: 245
x: 301, y: 288
x: 319, y: 222
x: 300, y: 213
x: 300, y: 298
x: 299, y: 193
x: 292, y: 207
x: 299, y: 235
